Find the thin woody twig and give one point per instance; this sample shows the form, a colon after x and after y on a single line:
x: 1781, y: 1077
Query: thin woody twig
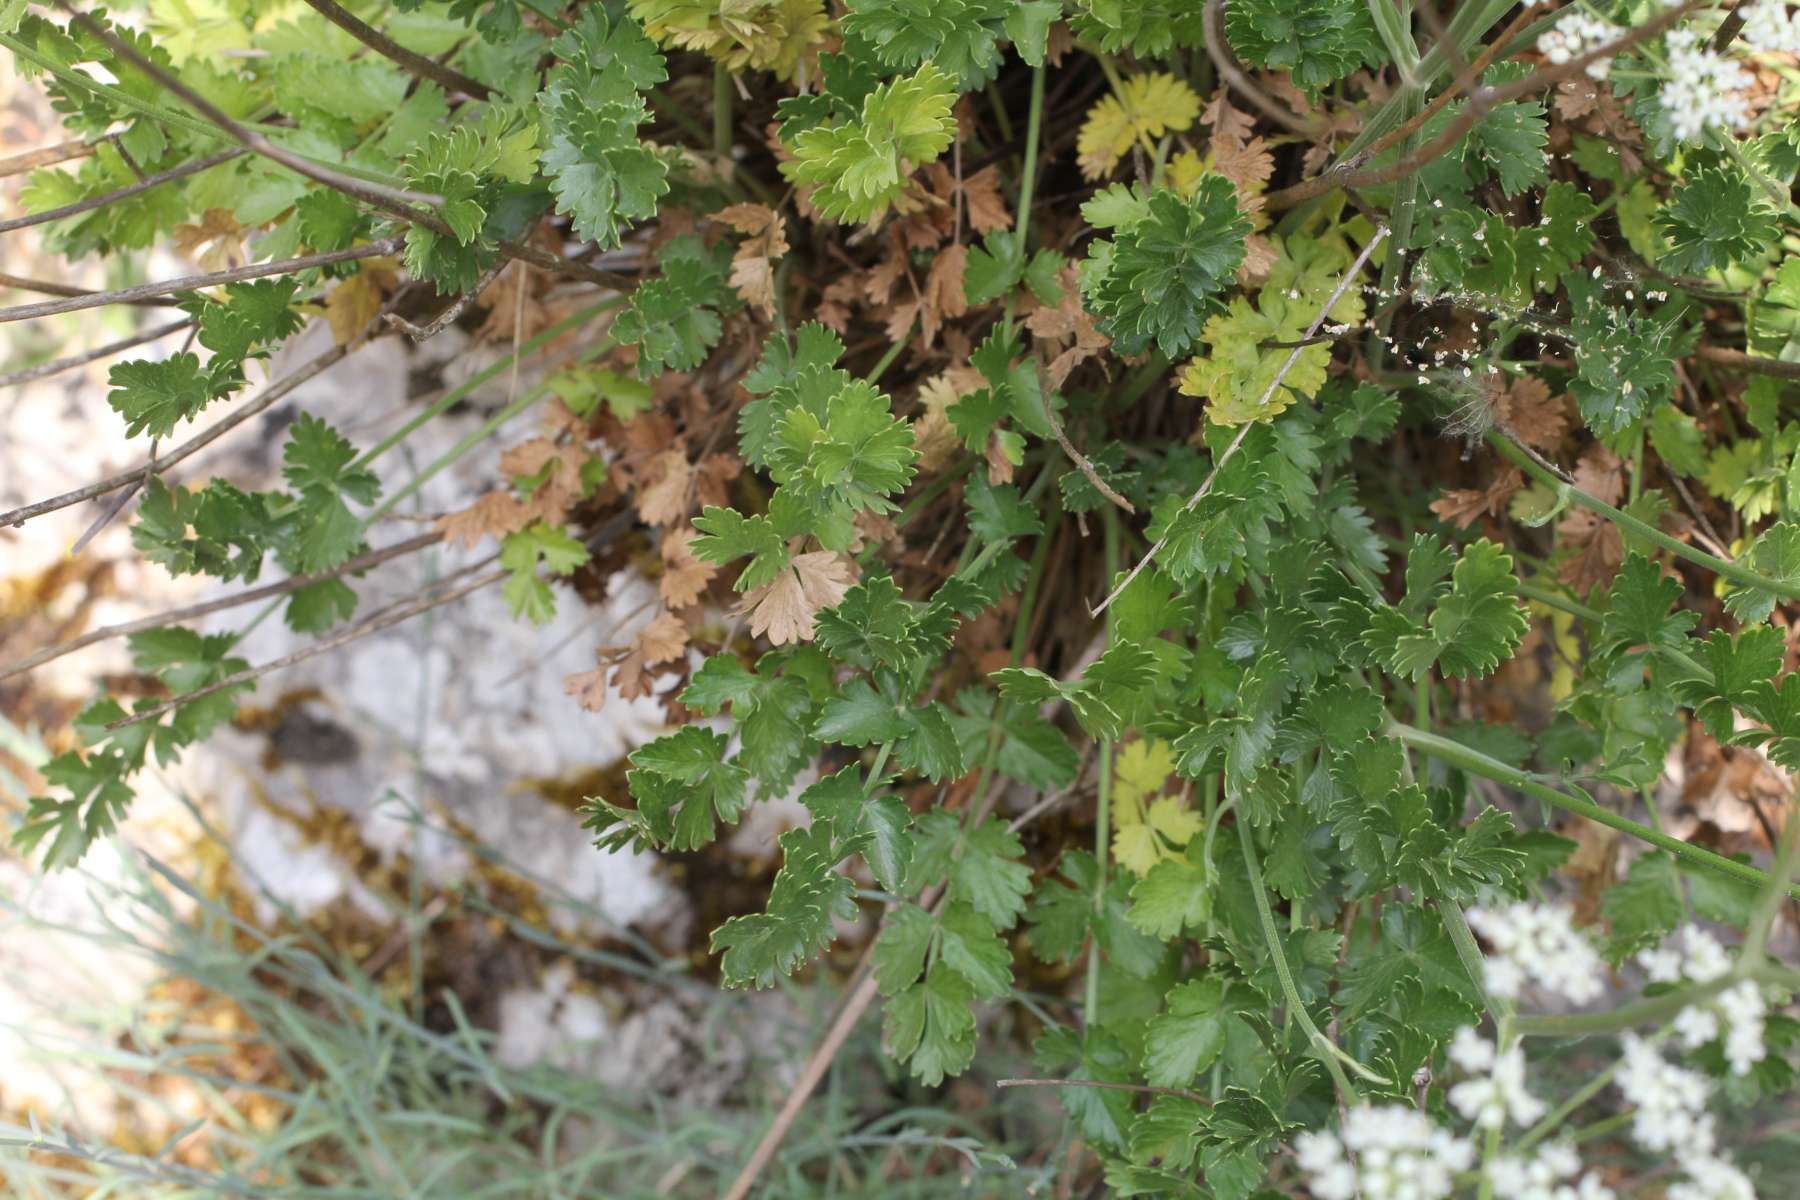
x: 396, y: 202
x: 250, y: 139
x: 143, y: 185
x: 46, y: 287
x: 393, y: 615
x: 48, y: 156
x: 188, y: 283
x: 1737, y: 360
x: 450, y: 79
x: 274, y: 392
x: 59, y: 365
x: 1352, y: 174
x: 1381, y: 231
x: 443, y: 320
x: 361, y: 562
x: 1080, y: 460
x: 1225, y: 62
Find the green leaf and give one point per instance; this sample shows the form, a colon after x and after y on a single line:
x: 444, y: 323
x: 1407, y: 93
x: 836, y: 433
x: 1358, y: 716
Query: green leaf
x: 860, y: 717
x: 154, y: 397
x: 1175, y: 894
x: 1188, y: 1035
x: 526, y: 594
x: 969, y: 944
x: 1775, y: 555
x: 681, y: 782
x: 808, y: 892
x: 602, y: 174
x: 1315, y: 41
x: 673, y: 319
x: 1644, y: 907
x: 856, y: 169
x: 959, y: 37
x: 931, y: 1025
x: 1161, y: 275
x: 901, y: 948
x: 727, y: 535
x: 1715, y: 218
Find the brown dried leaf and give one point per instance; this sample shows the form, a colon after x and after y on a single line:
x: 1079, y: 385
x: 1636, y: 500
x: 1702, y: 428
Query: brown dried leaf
x: 1227, y: 120
x: 497, y: 513
x: 222, y: 237
x: 784, y: 608
x: 1462, y: 506
x: 662, y: 640
x: 1526, y: 410
x: 1248, y: 164
x: 712, y: 476
x: 753, y: 264
x: 982, y: 202
x: 1601, y: 473
x: 1599, y: 550
x: 662, y: 496
x: 684, y: 578
x: 944, y: 297
x: 588, y: 687
x: 753, y: 279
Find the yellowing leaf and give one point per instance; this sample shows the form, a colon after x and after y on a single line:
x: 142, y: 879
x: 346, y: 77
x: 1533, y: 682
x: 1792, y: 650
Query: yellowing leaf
x: 1135, y: 848
x: 1147, y: 827
x: 1146, y: 107
x: 352, y: 304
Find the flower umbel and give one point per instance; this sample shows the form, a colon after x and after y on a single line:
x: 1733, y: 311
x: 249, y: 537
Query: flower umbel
x: 1388, y: 1152
x: 1538, y: 944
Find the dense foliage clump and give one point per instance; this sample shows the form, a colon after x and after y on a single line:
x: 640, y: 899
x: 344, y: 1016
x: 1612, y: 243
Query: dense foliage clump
x: 1209, y: 508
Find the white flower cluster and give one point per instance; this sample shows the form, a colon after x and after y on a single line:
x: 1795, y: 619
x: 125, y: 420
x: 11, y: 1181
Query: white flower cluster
x: 1704, y: 89
x: 1671, y: 1117
x: 1574, y: 35
x: 1769, y: 28
x: 1549, y: 1174
x: 1737, y: 1014
x: 1497, y: 1090
x: 1386, y: 1153
x: 1538, y: 943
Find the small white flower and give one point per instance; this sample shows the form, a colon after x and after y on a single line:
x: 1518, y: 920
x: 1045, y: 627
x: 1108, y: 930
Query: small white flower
x: 1696, y: 1026
x: 1743, y: 1007
x: 1769, y: 28
x: 1712, y: 1178
x: 1540, y: 944
x: 1498, y: 1091
x: 1387, y: 1153
x: 1575, y: 35
x: 1543, y: 1176
x: 1662, y: 964
x: 1704, y: 89
x: 1671, y: 1101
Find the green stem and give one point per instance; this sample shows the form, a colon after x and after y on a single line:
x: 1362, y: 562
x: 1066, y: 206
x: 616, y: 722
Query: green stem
x: 1554, y: 1121
x: 1323, y: 1048
x: 1630, y: 524
x: 887, y: 359
x: 721, y: 130
x: 1504, y: 1039
x: 450, y: 398
x: 1103, y: 808
x: 1028, y: 176
x: 1456, y: 924
x: 474, y: 439
x: 1477, y: 763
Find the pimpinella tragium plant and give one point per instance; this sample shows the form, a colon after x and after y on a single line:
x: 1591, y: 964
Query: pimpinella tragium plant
x: 1206, y: 507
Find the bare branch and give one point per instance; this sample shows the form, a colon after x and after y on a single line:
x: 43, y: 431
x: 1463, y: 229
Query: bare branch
x: 439, y: 323
x: 187, y: 283
x: 1080, y: 460
x: 250, y: 139
x: 450, y: 79
x: 58, y: 366
x: 274, y: 392
x: 47, y: 288
x: 1737, y: 360
x: 144, y: 185
x: 174, y: 616
x: 1381, y: 231
x: 431, y: 598
x: 49, y: 156
x: 1226, y: 62
x: 1352, y: 174
x: 397, y: 202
